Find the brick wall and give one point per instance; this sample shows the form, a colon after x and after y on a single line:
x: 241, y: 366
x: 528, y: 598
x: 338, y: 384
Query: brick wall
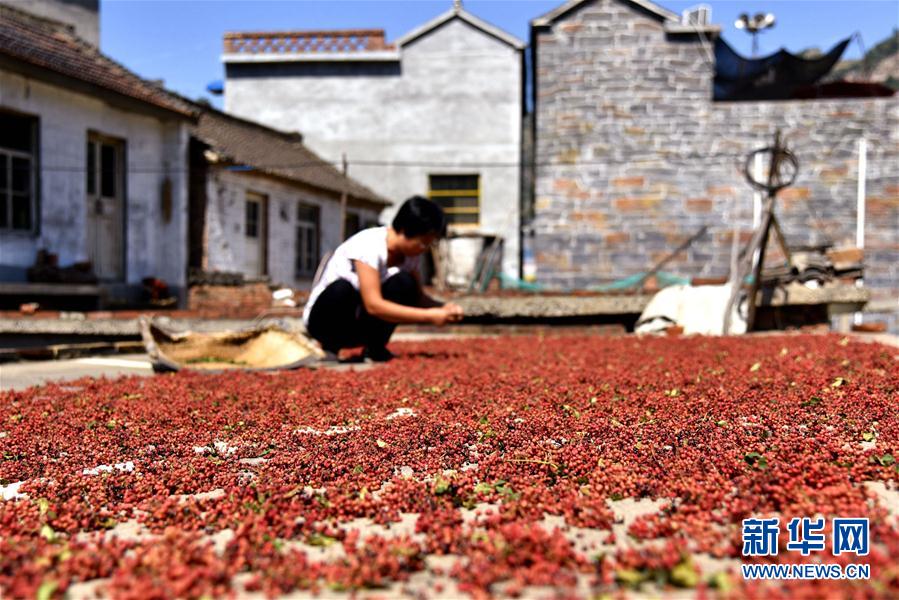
x: 633, y: 156
x: 230, y: 301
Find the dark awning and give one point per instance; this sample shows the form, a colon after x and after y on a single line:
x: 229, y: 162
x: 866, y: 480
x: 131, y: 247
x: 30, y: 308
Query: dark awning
x: 774, y: 77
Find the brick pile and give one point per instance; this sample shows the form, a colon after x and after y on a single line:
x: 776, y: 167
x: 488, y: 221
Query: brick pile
x: 230, y: 301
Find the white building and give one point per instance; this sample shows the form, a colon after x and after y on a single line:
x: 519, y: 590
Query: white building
x: 265, y: 206
x: 438, y: 112
x: 100, y: 167
x: 92, y: 160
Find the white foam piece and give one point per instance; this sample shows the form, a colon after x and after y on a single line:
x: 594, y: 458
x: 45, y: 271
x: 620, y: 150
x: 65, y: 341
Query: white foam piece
x: 125, y: 467
x: 401, y: 412
x: 11, y: 491
x: 333, y: 430
x: 219, y: 447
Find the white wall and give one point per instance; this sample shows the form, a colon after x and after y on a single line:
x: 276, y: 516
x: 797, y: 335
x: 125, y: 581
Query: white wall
x: 454, y: 98
x: 154, y: 149
x: 225, y: 215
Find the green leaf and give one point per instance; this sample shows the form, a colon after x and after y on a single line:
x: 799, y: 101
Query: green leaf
x: 381, y: 444
x: 886, y: 460
x: 441, y: 486
x: 47, y: 533
x: 721, y: 423
x: 483, y: 488
x: 684, y: 574
x: 508, y: 492
x: 755, y: 367
x: 837, y: 382
x: 721, y: 581
x: 320, y: 539
x: 756, y: 460
x: 45, y: 592
x: 571, y: 410
x: 630, y: 577
x: 868, y: 436
x: 813, y: 401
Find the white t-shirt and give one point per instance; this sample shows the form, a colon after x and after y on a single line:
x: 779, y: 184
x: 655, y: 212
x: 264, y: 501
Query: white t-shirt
x: 368, y: 246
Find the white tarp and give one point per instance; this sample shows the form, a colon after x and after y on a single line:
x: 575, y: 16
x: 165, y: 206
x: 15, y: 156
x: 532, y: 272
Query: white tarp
x: 698, y: 309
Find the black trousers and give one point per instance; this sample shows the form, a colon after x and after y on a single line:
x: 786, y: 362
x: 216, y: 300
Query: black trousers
x: 338, y: 318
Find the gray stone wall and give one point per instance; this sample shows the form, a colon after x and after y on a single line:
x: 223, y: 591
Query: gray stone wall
x: 633, y: 157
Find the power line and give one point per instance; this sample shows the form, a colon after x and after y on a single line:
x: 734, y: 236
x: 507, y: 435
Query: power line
x: 378, y: 163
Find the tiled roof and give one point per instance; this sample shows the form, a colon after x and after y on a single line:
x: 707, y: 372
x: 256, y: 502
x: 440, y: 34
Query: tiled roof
x: 53, y: 46
x: 273, y: 152
x: 306, y: 42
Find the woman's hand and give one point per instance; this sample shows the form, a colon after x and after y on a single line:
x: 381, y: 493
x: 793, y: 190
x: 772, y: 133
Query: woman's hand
x: 448, y: 313
x: 455, y: 310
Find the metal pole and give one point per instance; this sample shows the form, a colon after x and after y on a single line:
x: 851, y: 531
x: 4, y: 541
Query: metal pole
x: 860, y: 210
x: 758, y: 173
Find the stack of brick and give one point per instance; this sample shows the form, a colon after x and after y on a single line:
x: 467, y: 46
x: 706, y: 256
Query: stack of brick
x: 230, y: 301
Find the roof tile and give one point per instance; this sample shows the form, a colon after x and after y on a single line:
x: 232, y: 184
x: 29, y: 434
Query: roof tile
x: 55, y: 47
x: 275, y: 153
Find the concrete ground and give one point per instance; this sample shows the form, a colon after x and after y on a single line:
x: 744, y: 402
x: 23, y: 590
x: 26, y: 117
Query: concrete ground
x: 20, y: 375
x: 24, y: 374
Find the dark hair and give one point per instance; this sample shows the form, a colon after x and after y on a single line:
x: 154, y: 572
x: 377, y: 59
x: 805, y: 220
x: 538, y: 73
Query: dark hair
x: 419, y: 216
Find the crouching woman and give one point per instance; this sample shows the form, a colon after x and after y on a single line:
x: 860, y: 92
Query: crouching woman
x: 371, y: 283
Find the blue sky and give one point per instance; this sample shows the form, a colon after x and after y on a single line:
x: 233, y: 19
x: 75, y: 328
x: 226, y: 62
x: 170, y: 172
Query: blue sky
x: 180, y: 41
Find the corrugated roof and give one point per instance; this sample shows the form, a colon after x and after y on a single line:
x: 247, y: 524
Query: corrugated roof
x: 277, y: 153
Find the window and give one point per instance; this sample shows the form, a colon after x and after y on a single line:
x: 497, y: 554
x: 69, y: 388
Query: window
x: 251, y: 227
x: 307, y: 247
x: 18, y: 171
x: 459, y: 196
x: 104, y: 163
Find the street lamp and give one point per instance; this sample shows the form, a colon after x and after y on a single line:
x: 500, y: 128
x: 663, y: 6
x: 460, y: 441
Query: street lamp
x: 755, y: 25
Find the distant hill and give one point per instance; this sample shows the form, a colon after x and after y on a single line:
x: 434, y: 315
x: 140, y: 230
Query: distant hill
x: 880, y: 64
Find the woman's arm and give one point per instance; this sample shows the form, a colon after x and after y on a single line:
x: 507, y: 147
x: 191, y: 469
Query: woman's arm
x: 377, y: 306
x: 427, y: 301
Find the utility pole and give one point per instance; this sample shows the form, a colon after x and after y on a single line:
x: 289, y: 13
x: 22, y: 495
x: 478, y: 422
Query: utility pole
x: 343, y: 199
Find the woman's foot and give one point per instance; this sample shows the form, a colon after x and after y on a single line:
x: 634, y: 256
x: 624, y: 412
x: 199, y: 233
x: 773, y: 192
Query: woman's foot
x: 381, y: 354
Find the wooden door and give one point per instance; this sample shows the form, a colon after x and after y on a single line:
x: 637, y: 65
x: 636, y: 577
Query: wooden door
x: 255, y: 235
x: 106, y: 206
